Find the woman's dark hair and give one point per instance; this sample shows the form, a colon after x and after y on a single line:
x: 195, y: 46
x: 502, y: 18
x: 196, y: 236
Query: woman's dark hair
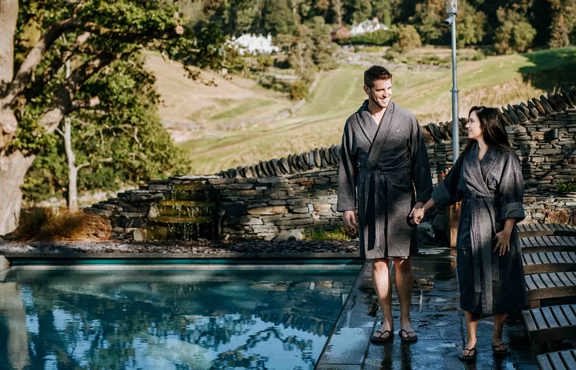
x: 376, y: 73
x: 493, y: 131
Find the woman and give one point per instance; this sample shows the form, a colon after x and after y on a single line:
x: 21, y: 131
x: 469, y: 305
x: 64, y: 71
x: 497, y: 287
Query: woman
x: 487, y: 178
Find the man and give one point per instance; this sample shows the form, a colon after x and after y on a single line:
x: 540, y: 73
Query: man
x: 383, y: 171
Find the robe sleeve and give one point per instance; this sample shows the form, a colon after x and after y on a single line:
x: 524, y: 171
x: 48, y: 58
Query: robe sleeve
x: 347, y: 173
x: 447, y: 192
x: 511, y: 189
x: 421, y: 174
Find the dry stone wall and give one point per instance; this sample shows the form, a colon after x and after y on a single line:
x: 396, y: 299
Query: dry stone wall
x: 282, y: 198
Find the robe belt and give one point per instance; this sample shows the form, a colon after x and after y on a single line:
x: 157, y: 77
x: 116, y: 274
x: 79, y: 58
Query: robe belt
x: 375, y: 180
x: 481, y: 240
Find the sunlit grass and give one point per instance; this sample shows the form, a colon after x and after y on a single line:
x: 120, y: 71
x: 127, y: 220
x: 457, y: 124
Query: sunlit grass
x: 495, y: 81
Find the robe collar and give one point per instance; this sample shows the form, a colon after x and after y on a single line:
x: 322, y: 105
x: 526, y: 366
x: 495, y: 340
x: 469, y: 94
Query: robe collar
x: 368, y: 126
x: 473, y: 175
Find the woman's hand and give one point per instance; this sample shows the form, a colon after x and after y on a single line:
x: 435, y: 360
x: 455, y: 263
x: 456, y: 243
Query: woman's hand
x: 502, y: 242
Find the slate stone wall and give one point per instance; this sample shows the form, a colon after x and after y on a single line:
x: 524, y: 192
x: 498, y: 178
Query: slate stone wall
x: 282, y: 198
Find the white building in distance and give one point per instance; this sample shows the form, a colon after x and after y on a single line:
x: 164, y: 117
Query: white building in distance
x: 369, y: 25
x: 254, y: 44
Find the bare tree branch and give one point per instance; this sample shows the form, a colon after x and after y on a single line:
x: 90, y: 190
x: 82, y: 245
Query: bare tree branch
x: 34, y: 58
x: 86, y: 164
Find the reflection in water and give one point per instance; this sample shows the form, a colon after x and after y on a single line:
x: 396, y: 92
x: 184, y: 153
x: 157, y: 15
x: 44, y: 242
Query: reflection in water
x: 13, y: 334
x: 388, y: 357
x: 276, y: 319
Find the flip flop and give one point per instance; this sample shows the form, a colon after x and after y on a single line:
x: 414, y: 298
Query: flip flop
x: 381, y: 336
x: 500, y: 349
x: 470, y: 357
x: 407, y: 336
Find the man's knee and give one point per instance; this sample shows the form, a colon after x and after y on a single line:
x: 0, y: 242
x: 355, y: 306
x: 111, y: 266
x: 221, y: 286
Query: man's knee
x: 380, y: 265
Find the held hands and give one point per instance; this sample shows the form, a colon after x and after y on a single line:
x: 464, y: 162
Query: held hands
x: 417, y: 213
x: 502, y: 245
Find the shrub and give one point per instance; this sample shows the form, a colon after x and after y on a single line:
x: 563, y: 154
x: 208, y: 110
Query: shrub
x: 569, y: 187
x: 379, y: 37
x: 299, y: 89
x: 45, y: 224
x: 328, y: 233
x: 408, y: 39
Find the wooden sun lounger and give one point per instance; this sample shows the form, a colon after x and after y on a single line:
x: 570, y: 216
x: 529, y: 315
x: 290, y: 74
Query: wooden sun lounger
x: 546, y: 229
x: 549, y: 262
x: 561, y: 360
x: 548, y: 243
x: 546, y: 325
x: 550, y: 285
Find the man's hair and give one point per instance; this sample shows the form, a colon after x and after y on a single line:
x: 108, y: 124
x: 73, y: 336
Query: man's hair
x: 376, y: 73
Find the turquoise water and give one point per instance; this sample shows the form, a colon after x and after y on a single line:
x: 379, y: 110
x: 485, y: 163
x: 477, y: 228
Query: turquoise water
x: 218, y: 317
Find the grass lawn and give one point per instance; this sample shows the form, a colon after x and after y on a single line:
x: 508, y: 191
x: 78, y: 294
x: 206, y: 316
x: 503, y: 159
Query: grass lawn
x: 494, y: 81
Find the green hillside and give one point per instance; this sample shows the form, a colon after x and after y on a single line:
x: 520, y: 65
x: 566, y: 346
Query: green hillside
x: 425, y: 90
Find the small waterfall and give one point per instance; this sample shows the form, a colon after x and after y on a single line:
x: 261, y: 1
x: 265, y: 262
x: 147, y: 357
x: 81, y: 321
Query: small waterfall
x: 188, y: 212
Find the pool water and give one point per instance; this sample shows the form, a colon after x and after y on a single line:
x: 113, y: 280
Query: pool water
x: 201, y: 318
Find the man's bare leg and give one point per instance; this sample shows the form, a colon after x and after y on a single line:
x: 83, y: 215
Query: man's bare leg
x: 404, y: 281
x: 383, y: 288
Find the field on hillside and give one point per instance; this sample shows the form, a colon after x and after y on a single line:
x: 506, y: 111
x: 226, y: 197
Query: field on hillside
x: 239, y: 123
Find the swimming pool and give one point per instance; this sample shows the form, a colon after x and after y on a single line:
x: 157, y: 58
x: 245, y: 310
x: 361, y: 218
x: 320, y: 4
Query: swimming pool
x: 169, y: 317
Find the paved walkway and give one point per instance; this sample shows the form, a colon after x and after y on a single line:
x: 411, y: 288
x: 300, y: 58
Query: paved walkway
x: 436, y: 318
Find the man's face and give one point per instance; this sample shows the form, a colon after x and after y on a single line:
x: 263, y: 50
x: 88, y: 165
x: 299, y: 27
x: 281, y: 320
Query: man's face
x: 380, y: 93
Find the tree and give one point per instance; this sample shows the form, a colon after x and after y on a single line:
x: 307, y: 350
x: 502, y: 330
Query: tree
x: 119, y: 138
x: 562, y: 25
x: 278, y: 17
x: 337, y: 10
x: 35, y: 95
x: 356, y: 11
x: 383, y: 11
x: 514, y: 32
x: 470, y: 25
x: 408, y: 39
x: 428, y: 19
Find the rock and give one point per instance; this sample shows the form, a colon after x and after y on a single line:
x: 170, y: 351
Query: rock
x: 4, y: 263
x: 292, y: 234
x: 272, y: 210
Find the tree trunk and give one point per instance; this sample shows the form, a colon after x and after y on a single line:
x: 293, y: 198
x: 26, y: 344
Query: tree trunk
x: 8, y: 18
x: 13, y: 170
x: 72, y: 168
x: 16, y: 334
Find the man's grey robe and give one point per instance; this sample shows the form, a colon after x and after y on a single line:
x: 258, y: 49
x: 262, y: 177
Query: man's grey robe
x: 491, y: 191
x: 383, y: 169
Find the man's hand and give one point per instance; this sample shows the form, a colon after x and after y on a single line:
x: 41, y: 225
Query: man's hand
x: 417, y: 213
x: 350, y: 220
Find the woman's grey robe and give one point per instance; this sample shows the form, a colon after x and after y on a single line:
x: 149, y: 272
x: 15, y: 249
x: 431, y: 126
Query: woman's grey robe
x: 491, y: 191
x: 383, y: 169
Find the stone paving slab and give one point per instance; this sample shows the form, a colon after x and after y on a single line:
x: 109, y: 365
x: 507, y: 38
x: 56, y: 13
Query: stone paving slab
x: 350, y: 337
x: 438, y: 322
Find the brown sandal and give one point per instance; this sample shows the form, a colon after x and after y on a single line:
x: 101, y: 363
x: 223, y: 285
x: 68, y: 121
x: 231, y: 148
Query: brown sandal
x: 500, y: 349
x: 471, y: 356
x: 407, y: 336
x: 381, y: 336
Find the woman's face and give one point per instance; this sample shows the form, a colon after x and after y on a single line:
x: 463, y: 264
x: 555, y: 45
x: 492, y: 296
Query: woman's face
x: 473, y: 126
